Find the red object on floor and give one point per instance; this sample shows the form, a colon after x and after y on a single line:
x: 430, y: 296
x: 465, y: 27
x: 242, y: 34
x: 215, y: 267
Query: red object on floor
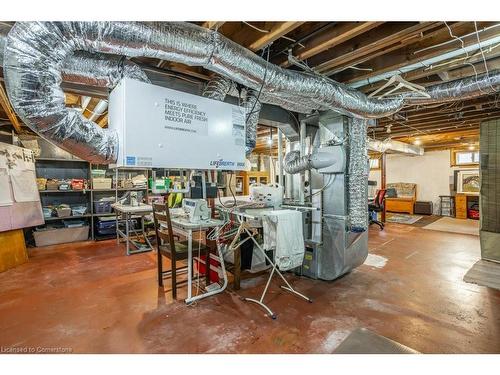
x: 214, y: 267
x: 473, y: 214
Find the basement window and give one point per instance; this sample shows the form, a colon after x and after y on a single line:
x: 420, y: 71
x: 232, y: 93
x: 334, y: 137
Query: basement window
x: 466, y: 157
x: 374, y: 163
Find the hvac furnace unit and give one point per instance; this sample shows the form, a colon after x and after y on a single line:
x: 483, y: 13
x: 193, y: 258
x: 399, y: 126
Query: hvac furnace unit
x: 163, y: 128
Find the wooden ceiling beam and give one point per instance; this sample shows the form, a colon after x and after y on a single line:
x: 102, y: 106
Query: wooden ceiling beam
x: 103, y: 121
x: 278, y: 30
x: 5, y: 104
x: 397, y: 59
x: 437, y: 119
x: 331, y: 38
x: 71, y: 99
x: 429, y: 131
x: 413, y: 111
x: 376, y: 46
x: 212, y: 25
x: 415, y: 119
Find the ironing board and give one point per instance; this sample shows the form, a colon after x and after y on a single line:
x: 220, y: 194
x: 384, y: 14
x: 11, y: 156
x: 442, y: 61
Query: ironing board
x: 244, y: 227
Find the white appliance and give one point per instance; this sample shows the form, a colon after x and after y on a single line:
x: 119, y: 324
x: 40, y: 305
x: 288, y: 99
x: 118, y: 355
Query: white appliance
x: 196, y: 209
x: 163, y: 128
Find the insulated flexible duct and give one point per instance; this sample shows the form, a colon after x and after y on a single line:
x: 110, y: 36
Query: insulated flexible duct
x: 218, y: 87
x: 252, y: 107
x: 93, y: 69
x: 467, y: 88
x: 35, y: 53
x: 294, y: 163
x: 357, y: 175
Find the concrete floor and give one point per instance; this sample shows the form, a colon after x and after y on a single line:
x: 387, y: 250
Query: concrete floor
x: 91, y: 298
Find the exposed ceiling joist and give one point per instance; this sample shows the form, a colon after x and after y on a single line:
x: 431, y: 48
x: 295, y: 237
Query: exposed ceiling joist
x: 5, y: 104
x: 332, y: 38
x: 376, y: 46
x: 212, y: 25
x: 395, y: 61
x: 103, y: 121
x: 278, y: 30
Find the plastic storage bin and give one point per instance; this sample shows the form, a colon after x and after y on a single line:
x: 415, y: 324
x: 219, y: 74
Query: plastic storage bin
x: 102, y: 207
x: 79, y: 210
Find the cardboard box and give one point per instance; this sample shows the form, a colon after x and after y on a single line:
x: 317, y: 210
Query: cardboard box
x: 101, y: 183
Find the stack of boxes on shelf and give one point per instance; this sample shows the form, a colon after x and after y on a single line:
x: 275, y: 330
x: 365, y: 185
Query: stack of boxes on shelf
x: 63, y: 187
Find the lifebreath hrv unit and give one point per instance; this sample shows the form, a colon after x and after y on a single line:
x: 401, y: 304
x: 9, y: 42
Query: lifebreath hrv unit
x: 164, y: 128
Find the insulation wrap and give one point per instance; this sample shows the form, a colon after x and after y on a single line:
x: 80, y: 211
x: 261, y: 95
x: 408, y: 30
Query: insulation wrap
x: 357, y: 177
x: 217, y: 87
x: 252, y: 107
x: 294, y: 163
x: 466, y: 88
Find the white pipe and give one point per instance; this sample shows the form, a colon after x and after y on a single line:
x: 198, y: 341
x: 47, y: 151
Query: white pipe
x: 425, y: 63
x: 99, y: 110
x: 280, y: 157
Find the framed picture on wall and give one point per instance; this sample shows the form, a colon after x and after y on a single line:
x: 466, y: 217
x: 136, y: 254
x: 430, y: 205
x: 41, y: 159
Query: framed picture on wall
x: 468, y: 181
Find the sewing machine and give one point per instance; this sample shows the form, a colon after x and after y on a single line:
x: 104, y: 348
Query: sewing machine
x: 196, y: 209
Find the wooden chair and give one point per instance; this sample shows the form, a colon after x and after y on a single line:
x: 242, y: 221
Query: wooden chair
x: 168, y: 247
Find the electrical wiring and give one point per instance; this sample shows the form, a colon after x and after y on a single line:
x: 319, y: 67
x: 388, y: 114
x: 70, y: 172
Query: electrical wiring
x: 230, y: 190
x: 256, y: 28
x: 252, y: 111
x: 482, y: 55
x: 466, y: 53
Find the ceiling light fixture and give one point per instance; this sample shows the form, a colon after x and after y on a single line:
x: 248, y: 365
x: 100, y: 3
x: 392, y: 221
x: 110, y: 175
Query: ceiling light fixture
x: 417, y: 142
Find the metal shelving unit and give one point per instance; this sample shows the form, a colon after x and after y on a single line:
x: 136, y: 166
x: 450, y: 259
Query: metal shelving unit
x: 60, y: 168
x: 99, y: 193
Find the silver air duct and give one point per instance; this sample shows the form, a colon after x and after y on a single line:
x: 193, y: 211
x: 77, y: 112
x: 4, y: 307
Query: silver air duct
x: 100, y: 70
x: 390, y: 145
x: 93, y: 69
x: 218, y: 87
x: 467, y: 88
x: 252, y: 107
x: 294, y: 163
x: 357, y: 176
x: 35, y: 53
